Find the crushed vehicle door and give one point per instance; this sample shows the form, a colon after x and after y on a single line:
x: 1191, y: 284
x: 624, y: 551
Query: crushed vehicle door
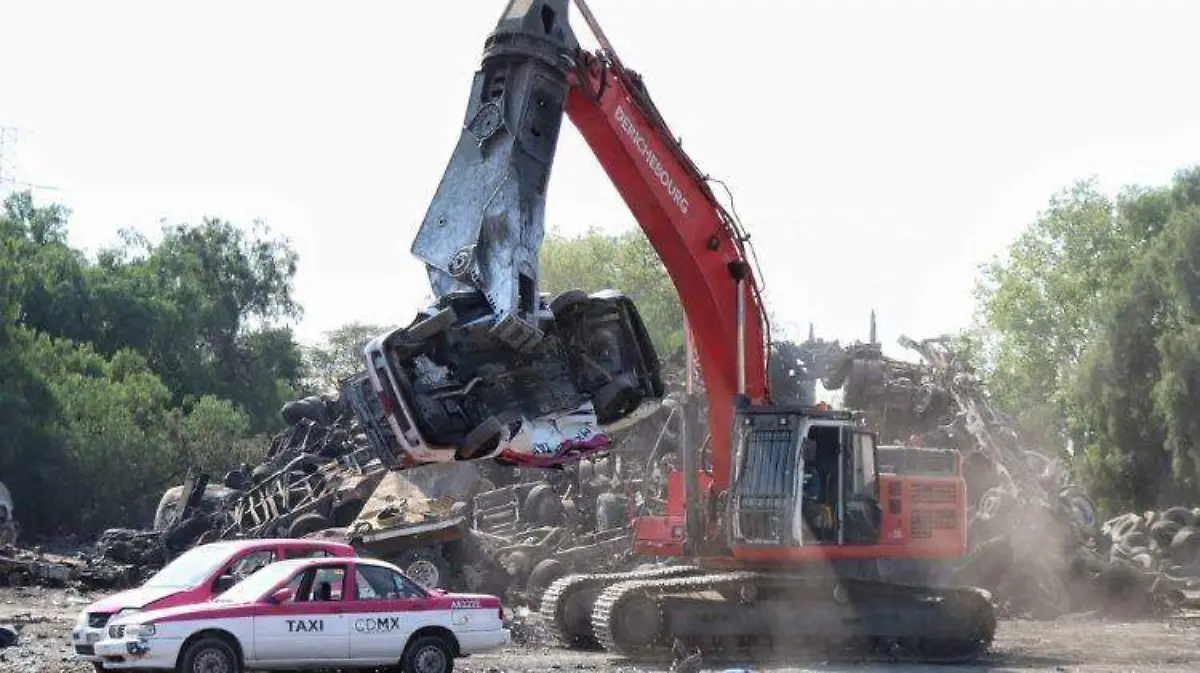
x: 311, y: 626
x: 384, y: 614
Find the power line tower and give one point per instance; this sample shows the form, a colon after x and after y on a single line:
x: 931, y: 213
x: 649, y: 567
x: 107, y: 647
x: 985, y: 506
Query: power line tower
x: 8, y: 161
x: 10, y: 179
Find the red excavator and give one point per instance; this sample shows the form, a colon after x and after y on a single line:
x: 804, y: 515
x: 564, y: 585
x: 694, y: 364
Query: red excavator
x: 785, y: 531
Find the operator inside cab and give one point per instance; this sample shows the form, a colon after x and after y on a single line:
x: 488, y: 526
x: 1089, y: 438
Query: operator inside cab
x: 823, y: 483
x: 820, y: 483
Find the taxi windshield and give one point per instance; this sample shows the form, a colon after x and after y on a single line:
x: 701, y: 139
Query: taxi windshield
x: 257, y: 585
x: 191, y: 569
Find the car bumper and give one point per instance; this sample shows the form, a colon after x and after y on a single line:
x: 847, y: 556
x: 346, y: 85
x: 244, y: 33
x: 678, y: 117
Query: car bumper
x: 84, y: 641
x: 118, y: 653
x: 477, y: 642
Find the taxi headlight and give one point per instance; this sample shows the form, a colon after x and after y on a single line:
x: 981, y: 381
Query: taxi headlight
x: 139, y: 630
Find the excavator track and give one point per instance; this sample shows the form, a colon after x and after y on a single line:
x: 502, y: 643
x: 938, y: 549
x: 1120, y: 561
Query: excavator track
x: 756, y: 614
x: 566, y: 608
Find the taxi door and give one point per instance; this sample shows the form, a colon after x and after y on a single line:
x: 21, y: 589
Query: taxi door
x: 382, y: 615
x: 310, y: 627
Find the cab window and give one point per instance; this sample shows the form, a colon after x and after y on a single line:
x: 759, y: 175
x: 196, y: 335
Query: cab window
x: 252, y: 563
x: 375, y: 583
x: 864, y: 464
x: 326, y: 583
x: 242, y: 568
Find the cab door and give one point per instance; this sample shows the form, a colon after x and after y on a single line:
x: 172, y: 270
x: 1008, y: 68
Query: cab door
x: 312, y: 625
x: 863, y: 512
x: 385, y: 612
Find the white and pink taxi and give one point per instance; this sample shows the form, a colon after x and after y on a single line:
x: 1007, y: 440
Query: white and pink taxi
x: 313, y: 613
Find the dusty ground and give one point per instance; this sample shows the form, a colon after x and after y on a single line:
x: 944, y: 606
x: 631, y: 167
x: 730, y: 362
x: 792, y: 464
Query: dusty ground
x: 1075, y: 644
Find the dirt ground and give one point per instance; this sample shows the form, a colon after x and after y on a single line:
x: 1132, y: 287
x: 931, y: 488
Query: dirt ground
x: 1076, y: 644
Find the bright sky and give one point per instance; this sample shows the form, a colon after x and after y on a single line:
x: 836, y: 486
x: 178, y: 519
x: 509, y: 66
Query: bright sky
x: 878, y: 151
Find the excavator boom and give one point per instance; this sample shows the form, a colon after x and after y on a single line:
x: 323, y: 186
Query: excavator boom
x: 702, y: 246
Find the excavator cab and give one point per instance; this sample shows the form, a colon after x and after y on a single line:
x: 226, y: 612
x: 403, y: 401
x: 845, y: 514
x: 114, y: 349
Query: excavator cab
x: 807, y: 484
x: 803, y: 476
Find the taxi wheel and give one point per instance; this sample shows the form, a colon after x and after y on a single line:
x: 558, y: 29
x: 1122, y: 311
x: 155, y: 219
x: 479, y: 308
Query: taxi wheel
x: 210, y: 655
x: 428, y: 654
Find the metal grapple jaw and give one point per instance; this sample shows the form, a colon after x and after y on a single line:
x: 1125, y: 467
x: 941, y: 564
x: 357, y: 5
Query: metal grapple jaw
x: 484, y: 228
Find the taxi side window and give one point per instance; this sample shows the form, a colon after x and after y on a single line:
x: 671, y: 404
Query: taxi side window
x: 251, y: 563
x: 375, y: 583
x: 407, y: 587
x: 320, y: 584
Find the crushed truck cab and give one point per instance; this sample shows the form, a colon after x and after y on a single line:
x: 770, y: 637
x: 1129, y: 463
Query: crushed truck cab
x: 452, y: 392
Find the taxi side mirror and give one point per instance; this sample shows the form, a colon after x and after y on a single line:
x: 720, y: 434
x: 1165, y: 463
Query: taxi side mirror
x: 223, y: 583
x: 280, y: 596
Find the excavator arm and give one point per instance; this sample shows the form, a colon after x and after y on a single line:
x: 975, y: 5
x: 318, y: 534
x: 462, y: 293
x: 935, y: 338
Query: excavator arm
x: 700, y: 243
x: 484, y: 227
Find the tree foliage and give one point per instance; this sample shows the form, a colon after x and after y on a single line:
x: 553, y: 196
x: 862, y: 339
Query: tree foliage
x: 119, y: 373
x: 1092, y: 332
x: 200, y: 305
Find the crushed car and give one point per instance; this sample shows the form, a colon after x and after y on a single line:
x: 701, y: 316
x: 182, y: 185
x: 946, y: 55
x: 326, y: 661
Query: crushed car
x: 450, y: 390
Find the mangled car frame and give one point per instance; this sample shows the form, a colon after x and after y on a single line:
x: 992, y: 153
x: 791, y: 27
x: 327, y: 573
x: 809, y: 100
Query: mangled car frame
x: 451, y: 391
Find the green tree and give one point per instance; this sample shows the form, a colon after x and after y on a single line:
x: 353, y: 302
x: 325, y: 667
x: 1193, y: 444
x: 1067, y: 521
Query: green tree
x: 119, y: 373
x: 110, y: 420
x: 203, y: 306
x: 213, y: 436
x: 1040, y: 303
x: 1090, y: 328
x: 338, y: 355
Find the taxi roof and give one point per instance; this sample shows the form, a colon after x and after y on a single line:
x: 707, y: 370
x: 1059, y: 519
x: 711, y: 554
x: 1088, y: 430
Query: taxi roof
x: 275, y: 542
x: 320, y: 561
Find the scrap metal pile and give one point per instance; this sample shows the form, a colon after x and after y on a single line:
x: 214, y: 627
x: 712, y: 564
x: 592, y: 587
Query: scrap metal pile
x: 450, y: 525
x: 20, y: 566
x: 334, y: 472
x: 316, y: 474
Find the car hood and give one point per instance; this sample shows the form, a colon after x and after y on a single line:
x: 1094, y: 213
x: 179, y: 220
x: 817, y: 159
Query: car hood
x: 208, y: 610
x: 137, y: 598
